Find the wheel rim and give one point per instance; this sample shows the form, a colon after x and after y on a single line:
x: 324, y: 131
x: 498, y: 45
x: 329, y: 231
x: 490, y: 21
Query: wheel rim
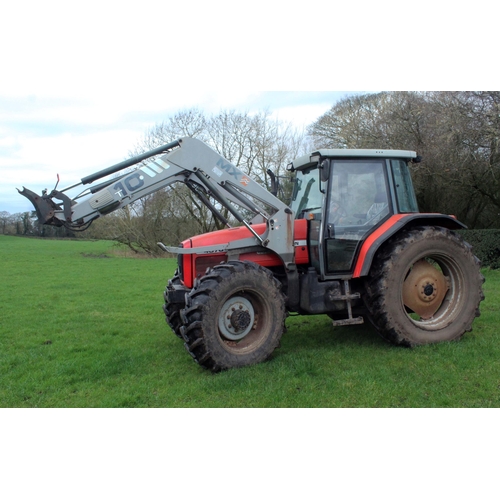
x: 236, y: 318
x: 432, y: 292
x: 242, y: 322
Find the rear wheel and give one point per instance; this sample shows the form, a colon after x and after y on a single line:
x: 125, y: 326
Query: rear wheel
x: 235, y: 316
x: 425, y: 286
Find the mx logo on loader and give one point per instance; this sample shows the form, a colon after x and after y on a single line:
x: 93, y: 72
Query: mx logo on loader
x: 230, y: 169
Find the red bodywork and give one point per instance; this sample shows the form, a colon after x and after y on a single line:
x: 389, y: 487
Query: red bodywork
x: 194, y: 265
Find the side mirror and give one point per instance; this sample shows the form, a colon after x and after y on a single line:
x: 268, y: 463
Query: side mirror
x: 324, y: 170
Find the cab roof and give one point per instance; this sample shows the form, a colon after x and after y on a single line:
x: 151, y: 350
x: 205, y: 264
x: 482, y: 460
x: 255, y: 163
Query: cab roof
x: 313, y: 158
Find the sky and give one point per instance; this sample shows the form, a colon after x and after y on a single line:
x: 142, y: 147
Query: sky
x: 73, y: 138
x: 81, y: 83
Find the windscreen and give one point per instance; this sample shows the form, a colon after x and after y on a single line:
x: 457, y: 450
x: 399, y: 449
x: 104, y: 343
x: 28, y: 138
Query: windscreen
x: 307, y: 196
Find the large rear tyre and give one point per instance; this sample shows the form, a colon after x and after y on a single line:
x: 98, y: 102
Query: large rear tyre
x: 235, y: 316
x: 425, y: 287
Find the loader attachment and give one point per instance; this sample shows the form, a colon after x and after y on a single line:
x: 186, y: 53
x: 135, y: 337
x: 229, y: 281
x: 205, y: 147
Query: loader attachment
x: 44, y: 206
x: 77, y: 215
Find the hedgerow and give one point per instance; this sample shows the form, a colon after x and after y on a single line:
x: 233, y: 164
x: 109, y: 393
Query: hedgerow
x: 486, y: 244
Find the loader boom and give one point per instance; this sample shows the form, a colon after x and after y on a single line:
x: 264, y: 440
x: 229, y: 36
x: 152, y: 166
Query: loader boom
x: 210, y: 176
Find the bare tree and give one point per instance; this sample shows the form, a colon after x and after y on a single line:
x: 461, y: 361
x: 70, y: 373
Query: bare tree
x: 190, y: 123
x: 457, y: 134
x: 6, y: 222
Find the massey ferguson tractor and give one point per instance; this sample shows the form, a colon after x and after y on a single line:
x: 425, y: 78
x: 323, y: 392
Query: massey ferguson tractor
x: 352, y: 245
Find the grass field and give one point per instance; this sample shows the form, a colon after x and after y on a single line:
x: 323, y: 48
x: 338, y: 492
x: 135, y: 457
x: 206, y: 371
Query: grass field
x: 83, y: 326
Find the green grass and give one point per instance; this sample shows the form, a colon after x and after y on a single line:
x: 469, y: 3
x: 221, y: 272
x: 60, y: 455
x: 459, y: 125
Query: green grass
x: 81, y: 326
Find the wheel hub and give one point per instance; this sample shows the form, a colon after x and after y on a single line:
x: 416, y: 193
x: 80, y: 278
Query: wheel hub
x: 424, y: 289
x: 240, y: 319
x: 236, y: 318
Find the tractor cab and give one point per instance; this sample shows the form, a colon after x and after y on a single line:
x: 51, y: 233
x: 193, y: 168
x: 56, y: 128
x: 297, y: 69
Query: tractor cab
x: 346, y: 195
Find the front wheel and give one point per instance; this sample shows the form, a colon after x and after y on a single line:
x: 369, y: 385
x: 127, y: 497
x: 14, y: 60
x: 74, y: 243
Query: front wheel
x: 172, y: 309
x: 425, y: 286
x: 235, y: 316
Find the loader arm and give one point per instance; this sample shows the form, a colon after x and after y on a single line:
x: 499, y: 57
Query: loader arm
x: 209, y: 176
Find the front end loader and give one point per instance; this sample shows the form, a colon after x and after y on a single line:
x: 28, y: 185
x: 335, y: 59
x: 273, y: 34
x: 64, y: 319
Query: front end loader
x: 351, y: 245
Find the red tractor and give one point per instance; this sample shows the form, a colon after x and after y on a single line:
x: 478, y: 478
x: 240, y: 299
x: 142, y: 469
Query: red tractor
x: 351, y: 245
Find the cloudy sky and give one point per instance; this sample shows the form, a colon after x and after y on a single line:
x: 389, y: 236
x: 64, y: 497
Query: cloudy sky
x: 44, y: 136
x: 82, y: 82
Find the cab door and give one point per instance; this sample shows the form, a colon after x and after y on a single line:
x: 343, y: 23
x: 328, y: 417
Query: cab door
x: 357, y: 202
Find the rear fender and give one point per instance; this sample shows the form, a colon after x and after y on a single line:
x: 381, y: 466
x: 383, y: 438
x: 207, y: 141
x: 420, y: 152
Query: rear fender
x: 392, y: 226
